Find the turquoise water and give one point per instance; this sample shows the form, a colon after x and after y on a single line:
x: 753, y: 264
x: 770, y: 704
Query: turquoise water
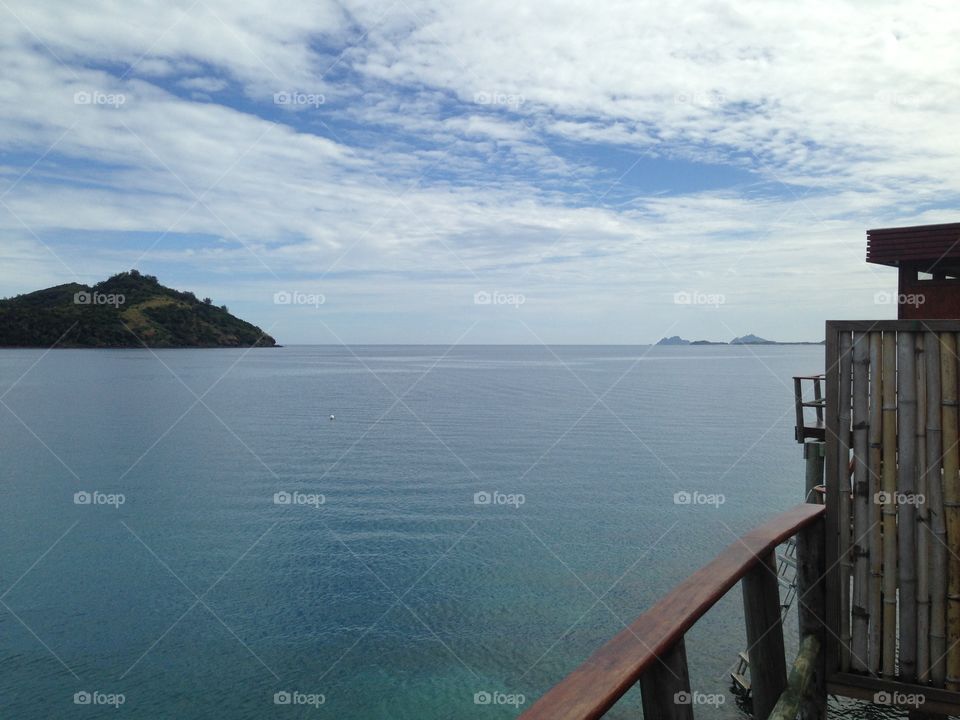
x: 393, y: 595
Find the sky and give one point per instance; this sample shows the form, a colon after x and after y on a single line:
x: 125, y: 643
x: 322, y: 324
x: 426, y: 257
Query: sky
x: 480, y: 172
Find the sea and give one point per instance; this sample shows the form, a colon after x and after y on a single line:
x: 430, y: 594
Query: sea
x: 372, y: 531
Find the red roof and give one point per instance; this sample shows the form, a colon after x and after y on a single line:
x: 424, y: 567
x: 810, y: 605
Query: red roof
x: 924, y: 245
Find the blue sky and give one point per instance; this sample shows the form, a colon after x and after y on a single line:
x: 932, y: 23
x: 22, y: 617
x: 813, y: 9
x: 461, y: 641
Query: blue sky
x: 603, y: 174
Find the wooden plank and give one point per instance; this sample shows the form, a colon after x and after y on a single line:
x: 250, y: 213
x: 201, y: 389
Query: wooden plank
x: 665, y: 687
x: 845, y: 366
x: 592, y: 688
x: 906, y: 511
x: 920, y: 509
x: 932, y: 228
x: 888, y: 481
x: 951, y: 500
x: 862, y: 512
x: 865, y: 687
x: 798, y: 684
x: 832, y: 499
x: 811, y: 609
x: 934, y: 503
x: 874, y: 541
x: 762, y: 616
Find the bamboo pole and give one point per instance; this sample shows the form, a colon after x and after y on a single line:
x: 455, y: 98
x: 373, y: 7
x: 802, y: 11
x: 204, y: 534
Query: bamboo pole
x: 934, y: 504
x: 875, y: 603
x: 906, y: 515
x: 843, y: 494
x: 888, y: 510
x: 951, y: 501
x: 922, y: 540
x: 861, y: 503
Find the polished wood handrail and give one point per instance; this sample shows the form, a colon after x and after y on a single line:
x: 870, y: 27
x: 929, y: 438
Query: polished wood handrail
x: 594, y: 687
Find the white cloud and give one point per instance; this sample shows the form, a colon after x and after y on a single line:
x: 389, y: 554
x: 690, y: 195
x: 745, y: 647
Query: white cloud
x: 402, y: 179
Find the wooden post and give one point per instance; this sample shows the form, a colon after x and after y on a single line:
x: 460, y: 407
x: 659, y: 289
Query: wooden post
x: 906, y: 515
x: 813, y: 455
x: 888, y: 483
x: 665, y: 685
x: 874, y: 540
x: 761, y: 609
x: 951, y: 501
x: 790, y: 704
x: 811, y: 612
x: 860, y: 549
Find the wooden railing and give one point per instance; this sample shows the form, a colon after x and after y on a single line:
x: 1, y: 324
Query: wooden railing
x: 651, y: 650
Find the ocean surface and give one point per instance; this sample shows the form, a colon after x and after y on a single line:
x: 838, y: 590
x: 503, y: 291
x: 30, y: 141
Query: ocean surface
x: 370, y: 532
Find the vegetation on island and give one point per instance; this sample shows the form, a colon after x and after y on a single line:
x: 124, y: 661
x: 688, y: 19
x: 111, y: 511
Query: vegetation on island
x: 129, y: 309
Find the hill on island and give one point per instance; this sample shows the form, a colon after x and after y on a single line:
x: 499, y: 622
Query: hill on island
x: 743, y: 340
x: 127, y: 310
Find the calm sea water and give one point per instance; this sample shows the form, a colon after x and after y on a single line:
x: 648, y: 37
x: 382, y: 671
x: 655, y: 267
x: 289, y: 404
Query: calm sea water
x: 382, y: 588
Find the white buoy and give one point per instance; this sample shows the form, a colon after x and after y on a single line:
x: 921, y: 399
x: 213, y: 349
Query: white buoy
x: 332, y: 417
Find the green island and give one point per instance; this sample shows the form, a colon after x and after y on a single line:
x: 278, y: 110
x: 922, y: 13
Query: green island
x: 128, y: 310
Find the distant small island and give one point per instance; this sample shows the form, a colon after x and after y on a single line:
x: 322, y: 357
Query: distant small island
x: 127, y: 310
x: 743, y: 340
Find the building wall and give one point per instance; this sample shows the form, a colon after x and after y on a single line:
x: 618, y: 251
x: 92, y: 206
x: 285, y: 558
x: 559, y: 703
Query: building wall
x: 937, y: 299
